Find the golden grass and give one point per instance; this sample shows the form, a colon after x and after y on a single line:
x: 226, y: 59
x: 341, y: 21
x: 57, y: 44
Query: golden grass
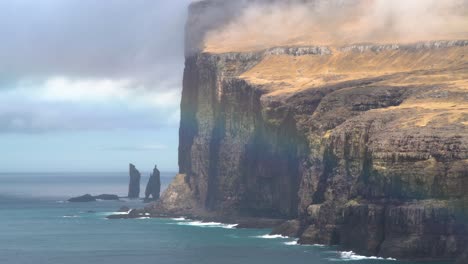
x: 436, y: 118
x: 445, y: 69
x: 433, y: 112
x: 290, y: 74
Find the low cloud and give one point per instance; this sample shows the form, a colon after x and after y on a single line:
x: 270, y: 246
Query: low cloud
x: 90, y: 65
x: 262, y: 24
x: 140, y: 39
x: 123, y: 91
x: 22, y: 111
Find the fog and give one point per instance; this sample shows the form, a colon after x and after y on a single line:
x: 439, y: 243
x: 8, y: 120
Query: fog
x: 263, y: 24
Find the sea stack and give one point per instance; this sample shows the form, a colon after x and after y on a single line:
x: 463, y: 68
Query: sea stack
x: 134, y: 185
x: 153, y: 188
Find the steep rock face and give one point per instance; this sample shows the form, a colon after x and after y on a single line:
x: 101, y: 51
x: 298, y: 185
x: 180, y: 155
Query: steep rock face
x: 377, y: 164
x: 365, y: 145
x: 237, y: 160
x: 463, y: 258
x: 153, y: 188
x: 134, y: 184
x: 423, y: 230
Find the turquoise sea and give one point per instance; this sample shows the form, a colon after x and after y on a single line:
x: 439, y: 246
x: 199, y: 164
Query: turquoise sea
x: 37, y: 226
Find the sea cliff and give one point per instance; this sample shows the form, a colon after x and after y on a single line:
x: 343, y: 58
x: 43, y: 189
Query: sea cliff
x: 364, y: 145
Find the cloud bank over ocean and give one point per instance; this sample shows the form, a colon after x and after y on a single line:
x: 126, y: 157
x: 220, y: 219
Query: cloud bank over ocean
x: 90, y: 85
x: 58, y: 58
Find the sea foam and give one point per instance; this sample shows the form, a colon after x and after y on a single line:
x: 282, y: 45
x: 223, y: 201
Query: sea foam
x: 208, y: 224
x: 114, y: 213
x: 268, y: 236
x: 350, y: 255
x: 70, y: 216
x: 291, y: 243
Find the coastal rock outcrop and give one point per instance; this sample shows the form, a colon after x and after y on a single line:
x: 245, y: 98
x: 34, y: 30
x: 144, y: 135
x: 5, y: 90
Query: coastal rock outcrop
x: 82, y: 199
x: 107, y: 197
x: 153, y: 188
x: 91, y: 198
x: 134, y: 184
x: 130, y: 214
x: 177, y: 199
x: 363, y: 146
x: 290, y: 228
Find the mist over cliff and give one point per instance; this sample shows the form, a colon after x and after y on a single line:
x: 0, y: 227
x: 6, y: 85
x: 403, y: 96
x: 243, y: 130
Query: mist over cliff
x: 251, y: 25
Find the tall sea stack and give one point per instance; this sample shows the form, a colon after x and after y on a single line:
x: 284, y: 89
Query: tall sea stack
x: 153, y: 188
x: 134, y: 185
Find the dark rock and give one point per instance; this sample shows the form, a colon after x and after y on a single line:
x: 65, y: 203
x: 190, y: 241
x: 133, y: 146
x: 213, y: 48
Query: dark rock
x: 90, y: 198
x: 107, y: 197
x: 82, y: 199
x: 291, y: 228
x: 363, y: 228
x: 463, y: 258
x: 134, y: 185
x: 132, y: 213
x: 118, y: 216
x: 254, y: 222
x: 423, y: 230
x: 153, y: 188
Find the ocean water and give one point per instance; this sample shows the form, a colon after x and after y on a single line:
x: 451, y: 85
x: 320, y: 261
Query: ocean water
x: 38, y: 226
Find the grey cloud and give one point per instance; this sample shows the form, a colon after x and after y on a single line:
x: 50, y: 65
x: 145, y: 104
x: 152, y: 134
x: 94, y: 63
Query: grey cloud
x: 31, y: 117
x: 138, y: 40
x: 141, y: 39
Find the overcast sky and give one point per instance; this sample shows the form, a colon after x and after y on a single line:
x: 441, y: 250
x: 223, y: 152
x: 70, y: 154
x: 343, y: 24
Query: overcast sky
x: 89, y: 85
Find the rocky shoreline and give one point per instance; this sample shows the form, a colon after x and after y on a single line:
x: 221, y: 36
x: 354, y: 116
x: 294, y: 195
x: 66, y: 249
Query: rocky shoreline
x: 239, y: 222
x: 294, y: 228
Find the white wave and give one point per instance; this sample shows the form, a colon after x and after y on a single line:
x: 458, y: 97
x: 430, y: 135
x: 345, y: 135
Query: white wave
x: 61, y: 201
x: 268, y: 236
x: 350, y: 255
x: 179, y: 219
x: 112, y: 213
x: 70, y: 216
x: 291, y: 243
x: 318, y: 245
x: 147, y: 214
x: 144, y: 217
x: 126, y: 199
x: 208, y: 224
x: 118, y: 213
